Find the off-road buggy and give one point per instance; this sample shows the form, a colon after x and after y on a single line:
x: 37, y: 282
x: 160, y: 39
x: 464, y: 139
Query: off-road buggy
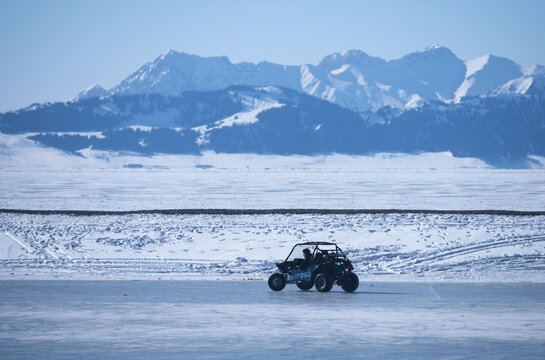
x: 324, y: 265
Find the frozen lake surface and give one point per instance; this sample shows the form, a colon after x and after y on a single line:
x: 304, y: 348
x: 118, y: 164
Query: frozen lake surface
x: 245, y: 320
x: 261, y: 182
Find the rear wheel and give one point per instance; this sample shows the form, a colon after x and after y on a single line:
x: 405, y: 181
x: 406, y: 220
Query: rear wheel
x: 305, y: 285
x: 277, y: 282
x: 351, y: 283
x: 323, y: 283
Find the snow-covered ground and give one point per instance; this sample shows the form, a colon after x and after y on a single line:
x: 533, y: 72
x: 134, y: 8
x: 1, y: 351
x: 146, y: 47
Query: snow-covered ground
x: 382, y: 246
x: 385, y: 246
x: 245, y: 320
x: 49, y: 179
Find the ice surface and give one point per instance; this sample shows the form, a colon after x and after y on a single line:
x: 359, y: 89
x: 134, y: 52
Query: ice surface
x: 245, y: 320
x: 33, y: 177
x: 246, y: 181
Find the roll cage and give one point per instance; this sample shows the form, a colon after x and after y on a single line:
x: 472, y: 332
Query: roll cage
x: 331, y: 249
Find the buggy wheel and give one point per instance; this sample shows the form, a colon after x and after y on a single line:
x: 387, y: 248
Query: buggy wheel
x: 351, y: 283
x: 305, y: 285
x: 277, y: 282
x: 323, y: 283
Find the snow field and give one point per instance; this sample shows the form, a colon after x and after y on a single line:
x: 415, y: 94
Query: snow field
x: 389, y: 246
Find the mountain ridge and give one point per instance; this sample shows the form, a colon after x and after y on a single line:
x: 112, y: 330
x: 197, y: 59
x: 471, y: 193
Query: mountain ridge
x: 351, y: 78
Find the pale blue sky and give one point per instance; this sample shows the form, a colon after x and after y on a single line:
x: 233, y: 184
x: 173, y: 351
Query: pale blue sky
x: 50, y: 50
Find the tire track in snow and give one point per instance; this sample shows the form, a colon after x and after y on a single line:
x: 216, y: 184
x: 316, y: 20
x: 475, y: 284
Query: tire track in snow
x: 44, y: 250
x: 466, y: 249
x: 19, y: 242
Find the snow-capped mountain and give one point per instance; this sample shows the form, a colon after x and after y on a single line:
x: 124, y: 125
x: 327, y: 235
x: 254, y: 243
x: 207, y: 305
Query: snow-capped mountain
x: 350, y: 103
x: 352, y: 79
x: 437, y: 68
x: 486, y: 73
x: 531, y: 83
x: 358, y: 81
x: 173, y: 73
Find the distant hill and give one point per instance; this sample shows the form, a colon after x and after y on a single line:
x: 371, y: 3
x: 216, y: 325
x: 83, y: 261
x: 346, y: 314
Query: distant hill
x: 503, y: 129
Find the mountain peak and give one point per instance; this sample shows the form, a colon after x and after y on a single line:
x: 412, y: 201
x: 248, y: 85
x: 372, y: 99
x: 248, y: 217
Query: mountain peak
x: 475, y: 65
x: 486, y: 73
x: 170, y: 53
x: 352, y: 53
x: 433, y: 46
x: 348, y: 57
x: 92, y: 91
x: 433, y: 49
x: 180, y: 56
x: 436, y: 48
x: 439, y: 72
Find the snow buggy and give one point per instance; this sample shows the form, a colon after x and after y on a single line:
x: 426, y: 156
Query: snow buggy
x: 323, y: 265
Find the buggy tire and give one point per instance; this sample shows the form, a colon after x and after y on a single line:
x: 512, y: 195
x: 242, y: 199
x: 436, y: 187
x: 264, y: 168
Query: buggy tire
x: 277, y: 282
x: 305, y: 285
x: 323, y: 283
x: 351, y: 283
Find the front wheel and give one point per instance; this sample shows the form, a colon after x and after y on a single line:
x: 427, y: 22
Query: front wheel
x: 351, y: 283
x: 323, y: 283
x: 305, y: 285
x: 277, y: 282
